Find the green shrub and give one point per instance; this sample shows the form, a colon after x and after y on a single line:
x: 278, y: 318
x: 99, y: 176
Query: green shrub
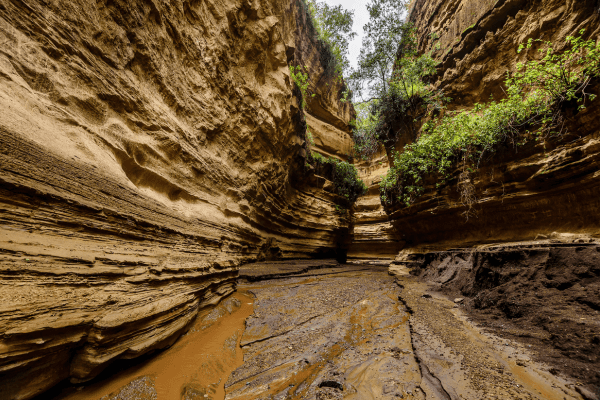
x: 309, y: 137
x: 560, y: 76
x: 341, y: 210
x: 530, y: 112
x: 301, y: 80
x: 345, y: 177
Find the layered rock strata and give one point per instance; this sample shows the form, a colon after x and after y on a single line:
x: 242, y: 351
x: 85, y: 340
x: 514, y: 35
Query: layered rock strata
x: 373, y: 234
x: 476, y: 41
x: 521, y: 192
x: 276, y: 269
x: 146, y: 150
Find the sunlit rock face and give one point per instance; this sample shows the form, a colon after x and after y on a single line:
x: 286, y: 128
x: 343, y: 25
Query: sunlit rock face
x: 327, y: 114
x: 146, y: 150
x: 540, y: 191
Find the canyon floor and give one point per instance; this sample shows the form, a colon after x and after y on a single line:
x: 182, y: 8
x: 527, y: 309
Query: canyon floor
x: 326, y: 331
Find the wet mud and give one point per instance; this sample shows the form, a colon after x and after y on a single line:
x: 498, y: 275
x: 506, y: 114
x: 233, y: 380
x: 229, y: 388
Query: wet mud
x: 195, y: 367
x: 333, y: 332
x: 545, y: 296
x: 357, y: 333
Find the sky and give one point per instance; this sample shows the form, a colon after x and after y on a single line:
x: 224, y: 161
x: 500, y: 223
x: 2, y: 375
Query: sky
x: 361, y: 17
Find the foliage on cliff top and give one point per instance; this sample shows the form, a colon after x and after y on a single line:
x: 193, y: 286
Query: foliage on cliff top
x: 530, y: 112
x: 332, y: 27
x: 345, y: 177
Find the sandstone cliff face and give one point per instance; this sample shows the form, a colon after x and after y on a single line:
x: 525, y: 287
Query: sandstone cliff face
x: 478, y: 40
x: 548, y: 190
x: 524, y: 253
x: 373, y: 234
x: 326, y: 115
x: 146, y: 149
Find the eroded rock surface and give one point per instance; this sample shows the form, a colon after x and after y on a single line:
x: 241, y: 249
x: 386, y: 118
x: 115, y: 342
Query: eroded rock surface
x: 520, y: 191
x: 510, y: 252
x: 478, y: 39
x: 146, y: 150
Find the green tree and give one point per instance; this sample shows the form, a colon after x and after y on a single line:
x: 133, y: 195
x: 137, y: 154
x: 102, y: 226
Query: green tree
x: 384, y: 33
x: 409, y: 96
x: 366, y: 141
x: 396, y: 79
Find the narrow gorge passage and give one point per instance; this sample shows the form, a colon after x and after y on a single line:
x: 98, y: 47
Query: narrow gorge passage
x: 196, y: 201
x: 337, y: 331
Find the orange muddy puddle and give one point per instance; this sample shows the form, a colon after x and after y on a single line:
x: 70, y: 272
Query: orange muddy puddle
x: 196, y: 366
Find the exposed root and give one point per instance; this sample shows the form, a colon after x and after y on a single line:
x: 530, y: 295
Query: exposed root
x: 466, y: 190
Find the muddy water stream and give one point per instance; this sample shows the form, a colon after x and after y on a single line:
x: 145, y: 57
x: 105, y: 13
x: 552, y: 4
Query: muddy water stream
x: 195, y: 367
x: 350, y: 332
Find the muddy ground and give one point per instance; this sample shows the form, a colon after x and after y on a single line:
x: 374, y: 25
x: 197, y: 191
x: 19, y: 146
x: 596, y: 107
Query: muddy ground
x: 545, y: 296
x: 356, y: 332
x: 195, y: 367
x: 320, y: 330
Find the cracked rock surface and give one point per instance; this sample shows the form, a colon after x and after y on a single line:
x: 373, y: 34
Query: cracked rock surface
x: 342, y: 335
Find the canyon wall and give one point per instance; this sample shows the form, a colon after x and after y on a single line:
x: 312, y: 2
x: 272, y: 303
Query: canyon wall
x: 521, y: 256
x: 327, y: 115
x: 374, y: 236
x: 147, y: 148
x: 544, y: 190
